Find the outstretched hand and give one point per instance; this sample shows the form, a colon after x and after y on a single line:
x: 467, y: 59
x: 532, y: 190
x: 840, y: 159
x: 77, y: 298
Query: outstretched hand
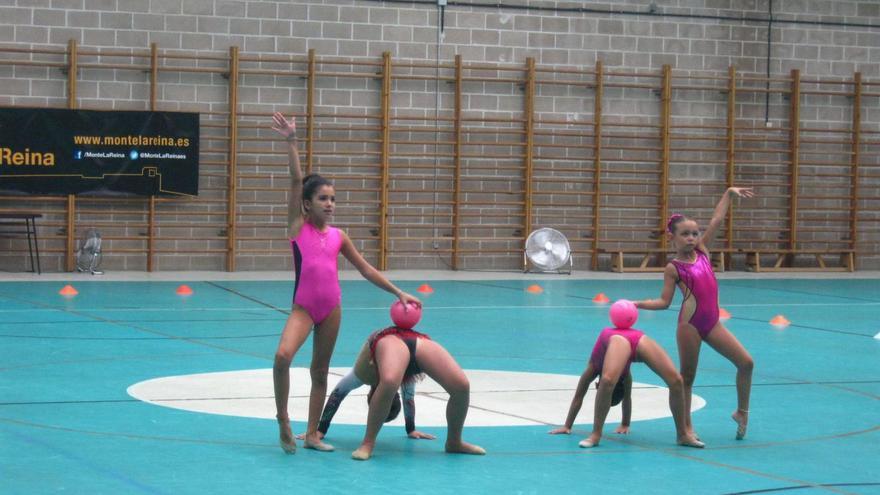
x: 560, y: 431
x: 743, y: 192
x: 420, y: 435
x: 283, y: 126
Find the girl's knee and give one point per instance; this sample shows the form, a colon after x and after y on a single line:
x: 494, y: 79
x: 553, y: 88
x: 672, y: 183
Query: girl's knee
x: 674, y: 381
x: 386, y: 389
x: 607, y: 381
x: 319, y: 375
x: 747, y: 364
x: 459, y: 386
x: 282, y: 360
x: 688, y: 376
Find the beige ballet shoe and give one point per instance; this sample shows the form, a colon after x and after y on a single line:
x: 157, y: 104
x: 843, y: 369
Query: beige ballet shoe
x: 740, y: 425
x: 695, y: 443
x: 289, y: 447
x: 320, y: 446
x: 361, y: 455
x: 465, y: 448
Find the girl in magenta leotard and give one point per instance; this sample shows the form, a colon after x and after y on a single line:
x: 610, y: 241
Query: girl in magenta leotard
x: 316, y: 300
x: 614, y: 352
x: 698, y: 320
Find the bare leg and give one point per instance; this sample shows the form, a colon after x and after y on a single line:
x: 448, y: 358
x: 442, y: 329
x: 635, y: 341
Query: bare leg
x: 726, y: 344
x: 323, y: 343
x: 656, y: 358
x: 689, y: 342
x: 392, y: 356
x: 616, y: 357
x: 295, y: 332
x: 439, y: 365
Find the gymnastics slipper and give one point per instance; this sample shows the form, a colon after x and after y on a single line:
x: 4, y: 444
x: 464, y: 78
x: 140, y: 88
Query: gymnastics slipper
x: 320, y: 446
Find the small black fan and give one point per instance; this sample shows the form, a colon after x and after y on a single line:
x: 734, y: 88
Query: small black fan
x: 547, y: 250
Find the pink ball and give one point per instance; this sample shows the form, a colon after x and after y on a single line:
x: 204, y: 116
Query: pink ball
x: 623, y: 314
x: 405, y: 319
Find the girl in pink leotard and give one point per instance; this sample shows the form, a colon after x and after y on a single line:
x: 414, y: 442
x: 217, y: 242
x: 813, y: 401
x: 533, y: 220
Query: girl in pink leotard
x: 698, y: 320
x: 614, y: 352
x: 316, y: 301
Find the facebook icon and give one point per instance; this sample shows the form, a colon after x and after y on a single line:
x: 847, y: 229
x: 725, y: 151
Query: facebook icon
x: 77, y: 155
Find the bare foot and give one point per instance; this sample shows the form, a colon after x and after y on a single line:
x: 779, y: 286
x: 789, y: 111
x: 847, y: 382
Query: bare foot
x: 590, y: 442
x: 464, y: 448
x: 363, y: 453
x: 286, y: 436
x: 690, y: 441
x: 742, y: 422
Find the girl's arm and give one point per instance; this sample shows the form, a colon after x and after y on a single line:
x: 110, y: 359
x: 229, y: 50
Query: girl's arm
x: 408, y: 397
x: 294, y: 206
x: 721, y: 212
x: 578, y: 400
x: 375, y: 276
x: 626, y: 405
x: 670, y: 277
x: 348, y: 383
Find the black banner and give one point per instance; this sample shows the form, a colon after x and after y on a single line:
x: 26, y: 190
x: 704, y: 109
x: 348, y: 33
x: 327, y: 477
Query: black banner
x: 57, y: 151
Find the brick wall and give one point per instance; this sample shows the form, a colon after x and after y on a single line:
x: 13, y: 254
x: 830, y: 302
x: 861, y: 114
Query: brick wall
x: 694, y: 37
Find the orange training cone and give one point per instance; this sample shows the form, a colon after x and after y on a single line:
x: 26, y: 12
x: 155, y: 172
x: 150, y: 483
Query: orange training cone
x: 425, y: 289
x: 68, y: 290
x: 184, y: 290
x: 780, y: 321
x: 601, y: 298
x: 723, y: 314
x: 534, y: 289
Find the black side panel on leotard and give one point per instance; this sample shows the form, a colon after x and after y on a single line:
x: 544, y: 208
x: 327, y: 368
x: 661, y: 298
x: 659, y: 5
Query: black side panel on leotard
x: 297, y: 268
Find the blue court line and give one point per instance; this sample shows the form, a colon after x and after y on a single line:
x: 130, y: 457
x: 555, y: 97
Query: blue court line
x: 249, y: 298
x: 800, y: 487
x: 71, y: 455
x: 199, y: 441
x: 124, y: 324
x: 804, y: 292
x: 807, y: 327
x: 46, y: 337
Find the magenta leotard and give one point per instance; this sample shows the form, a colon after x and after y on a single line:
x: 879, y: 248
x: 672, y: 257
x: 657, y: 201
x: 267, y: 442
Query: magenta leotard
x: 630, y: 334
x: 317, y: 279
x: 700, y: 283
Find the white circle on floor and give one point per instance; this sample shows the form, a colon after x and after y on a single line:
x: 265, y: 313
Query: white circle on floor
x: 498, y: 398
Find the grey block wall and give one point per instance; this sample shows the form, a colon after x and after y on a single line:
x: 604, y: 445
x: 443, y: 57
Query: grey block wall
x: 822, y: 39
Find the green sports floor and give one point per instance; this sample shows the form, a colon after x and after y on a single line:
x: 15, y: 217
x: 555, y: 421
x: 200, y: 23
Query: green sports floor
x: 128, y: 387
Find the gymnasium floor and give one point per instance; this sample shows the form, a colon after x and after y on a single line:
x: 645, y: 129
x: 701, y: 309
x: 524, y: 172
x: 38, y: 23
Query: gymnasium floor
x: 128, y: 387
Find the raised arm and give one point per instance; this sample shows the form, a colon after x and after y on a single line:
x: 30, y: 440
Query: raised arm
x: 370, y: 273
x: 670, y: 277
x: 721, y: 212
x: 294, y: 206
x: 578, y: 400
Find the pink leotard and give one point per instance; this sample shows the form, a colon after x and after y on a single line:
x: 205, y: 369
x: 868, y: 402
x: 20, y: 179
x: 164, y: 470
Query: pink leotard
x: 317, y: 279
x: 699, y: 282
x: 630, y: 334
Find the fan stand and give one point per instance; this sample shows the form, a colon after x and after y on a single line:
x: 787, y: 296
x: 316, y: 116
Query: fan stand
x: 529, y: 268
